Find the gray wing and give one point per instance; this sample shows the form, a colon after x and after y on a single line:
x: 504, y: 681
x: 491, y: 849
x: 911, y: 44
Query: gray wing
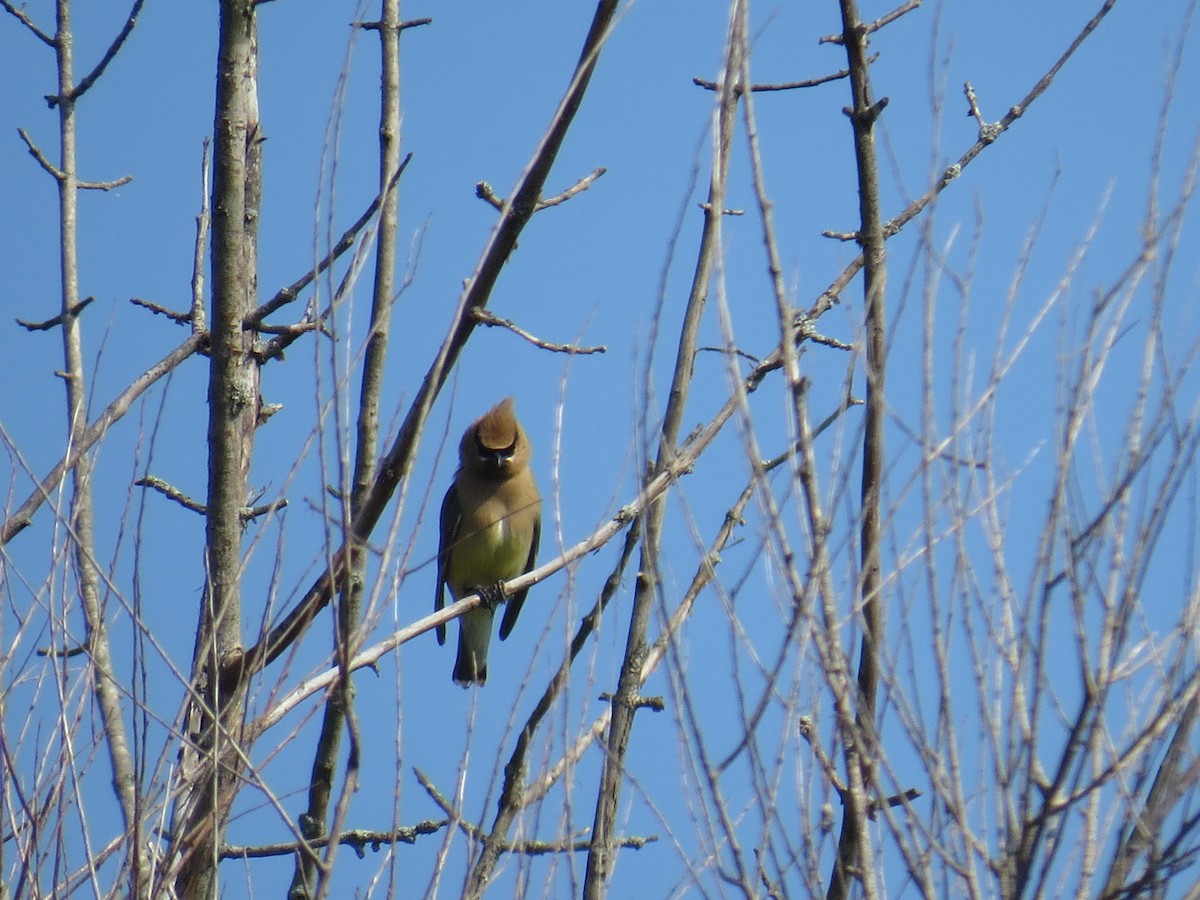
x: 512, y: 609
x: 451, y: 517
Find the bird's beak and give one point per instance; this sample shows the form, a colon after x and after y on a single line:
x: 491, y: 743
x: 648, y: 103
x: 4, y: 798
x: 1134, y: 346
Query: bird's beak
x: 495, y: 459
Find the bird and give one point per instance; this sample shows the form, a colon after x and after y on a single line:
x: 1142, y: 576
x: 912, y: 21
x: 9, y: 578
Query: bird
x: 491, y: 525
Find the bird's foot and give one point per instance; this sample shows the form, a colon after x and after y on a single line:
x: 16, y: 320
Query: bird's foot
x: 491, y: 595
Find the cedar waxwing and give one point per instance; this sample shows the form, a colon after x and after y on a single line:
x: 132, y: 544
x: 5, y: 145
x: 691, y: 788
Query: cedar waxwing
x: 491, y: 525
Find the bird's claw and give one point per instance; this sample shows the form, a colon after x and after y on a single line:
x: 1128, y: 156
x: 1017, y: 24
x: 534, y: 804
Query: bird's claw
x: 491, y: 595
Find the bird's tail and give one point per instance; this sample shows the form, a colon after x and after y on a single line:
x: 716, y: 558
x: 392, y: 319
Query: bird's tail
x: 474, y: 635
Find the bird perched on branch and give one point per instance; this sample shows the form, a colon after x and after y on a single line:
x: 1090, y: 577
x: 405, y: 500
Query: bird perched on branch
x: 491, y: 524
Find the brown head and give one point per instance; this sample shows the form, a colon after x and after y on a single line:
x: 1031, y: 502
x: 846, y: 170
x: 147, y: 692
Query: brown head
x: 495, y: 446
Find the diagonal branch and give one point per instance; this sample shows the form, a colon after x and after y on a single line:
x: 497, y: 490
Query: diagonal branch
x: 88, y: 80
x: 680, y: 464
x: 483, y: 317
x: 786, y: 85
x: 398, y: 461
x: 868, y: 28
x: 23, y: 517
x: 23, y: 17
x: 829, y: 297
x: 54, y: 171
x: 601, y: 859
x: 287, y: 294
x: 60, y: 319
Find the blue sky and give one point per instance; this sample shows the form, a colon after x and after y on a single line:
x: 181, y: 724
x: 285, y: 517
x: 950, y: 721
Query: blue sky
x: 479, y: 85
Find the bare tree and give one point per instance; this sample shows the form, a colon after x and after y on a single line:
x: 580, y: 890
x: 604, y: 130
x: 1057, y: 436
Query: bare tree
x: 898, y: 662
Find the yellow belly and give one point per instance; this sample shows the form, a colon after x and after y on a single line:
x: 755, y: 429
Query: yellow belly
x: 486, y: 556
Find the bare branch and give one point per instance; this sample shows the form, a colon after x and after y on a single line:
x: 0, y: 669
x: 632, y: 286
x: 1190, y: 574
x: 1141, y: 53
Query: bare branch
x: 37, y: 154
x: 380, y: 26
x: 724, y: 212
x: 292, y: 291
x: 601, y: 858
x: 88, y: 80
x: 525, y: 848
x: 103, y: 185
x: 177, y: 317
x: 203, y: 219
x: 58, y: 175
x: 786, y: 85
x: 681, y: 463
x: 358, y: 838
x: 988, y: 131
x: 21, y: 16
x: 396, y: 463
x: 515, y: 796
x: 60, y: 319
x: 832, y: 293
x: 855, y: 860
x: 483, y: 317
x: 883, y: 20
x: 487, y: 193
x: 23, y: 517
x: 581, y: 185
x: 172, y: 493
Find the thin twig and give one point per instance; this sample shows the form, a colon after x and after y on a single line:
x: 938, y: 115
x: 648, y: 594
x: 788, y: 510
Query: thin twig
x: 57, y: 173
x: 525, y: 848
x: 60, y: 319
x: 103, y: 185
x: 379, y: 26
x: 581, y: 185
x: 988, y: 131
x: 177, y: 317
x: 883, y: 20
x: 172, y: 493
x: 831, y: 294
x: 203, y: 220
x: 88, y: 80
x: 249, y: 513
x: 34, y: 151
x: 483, y: 317
x: 23, y: 517
x: 602, y: 857
x: 786, y: 85
x: 487, y: 193
x: 286, y: 295
x: 24, y: 19
x: 359, y: 839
